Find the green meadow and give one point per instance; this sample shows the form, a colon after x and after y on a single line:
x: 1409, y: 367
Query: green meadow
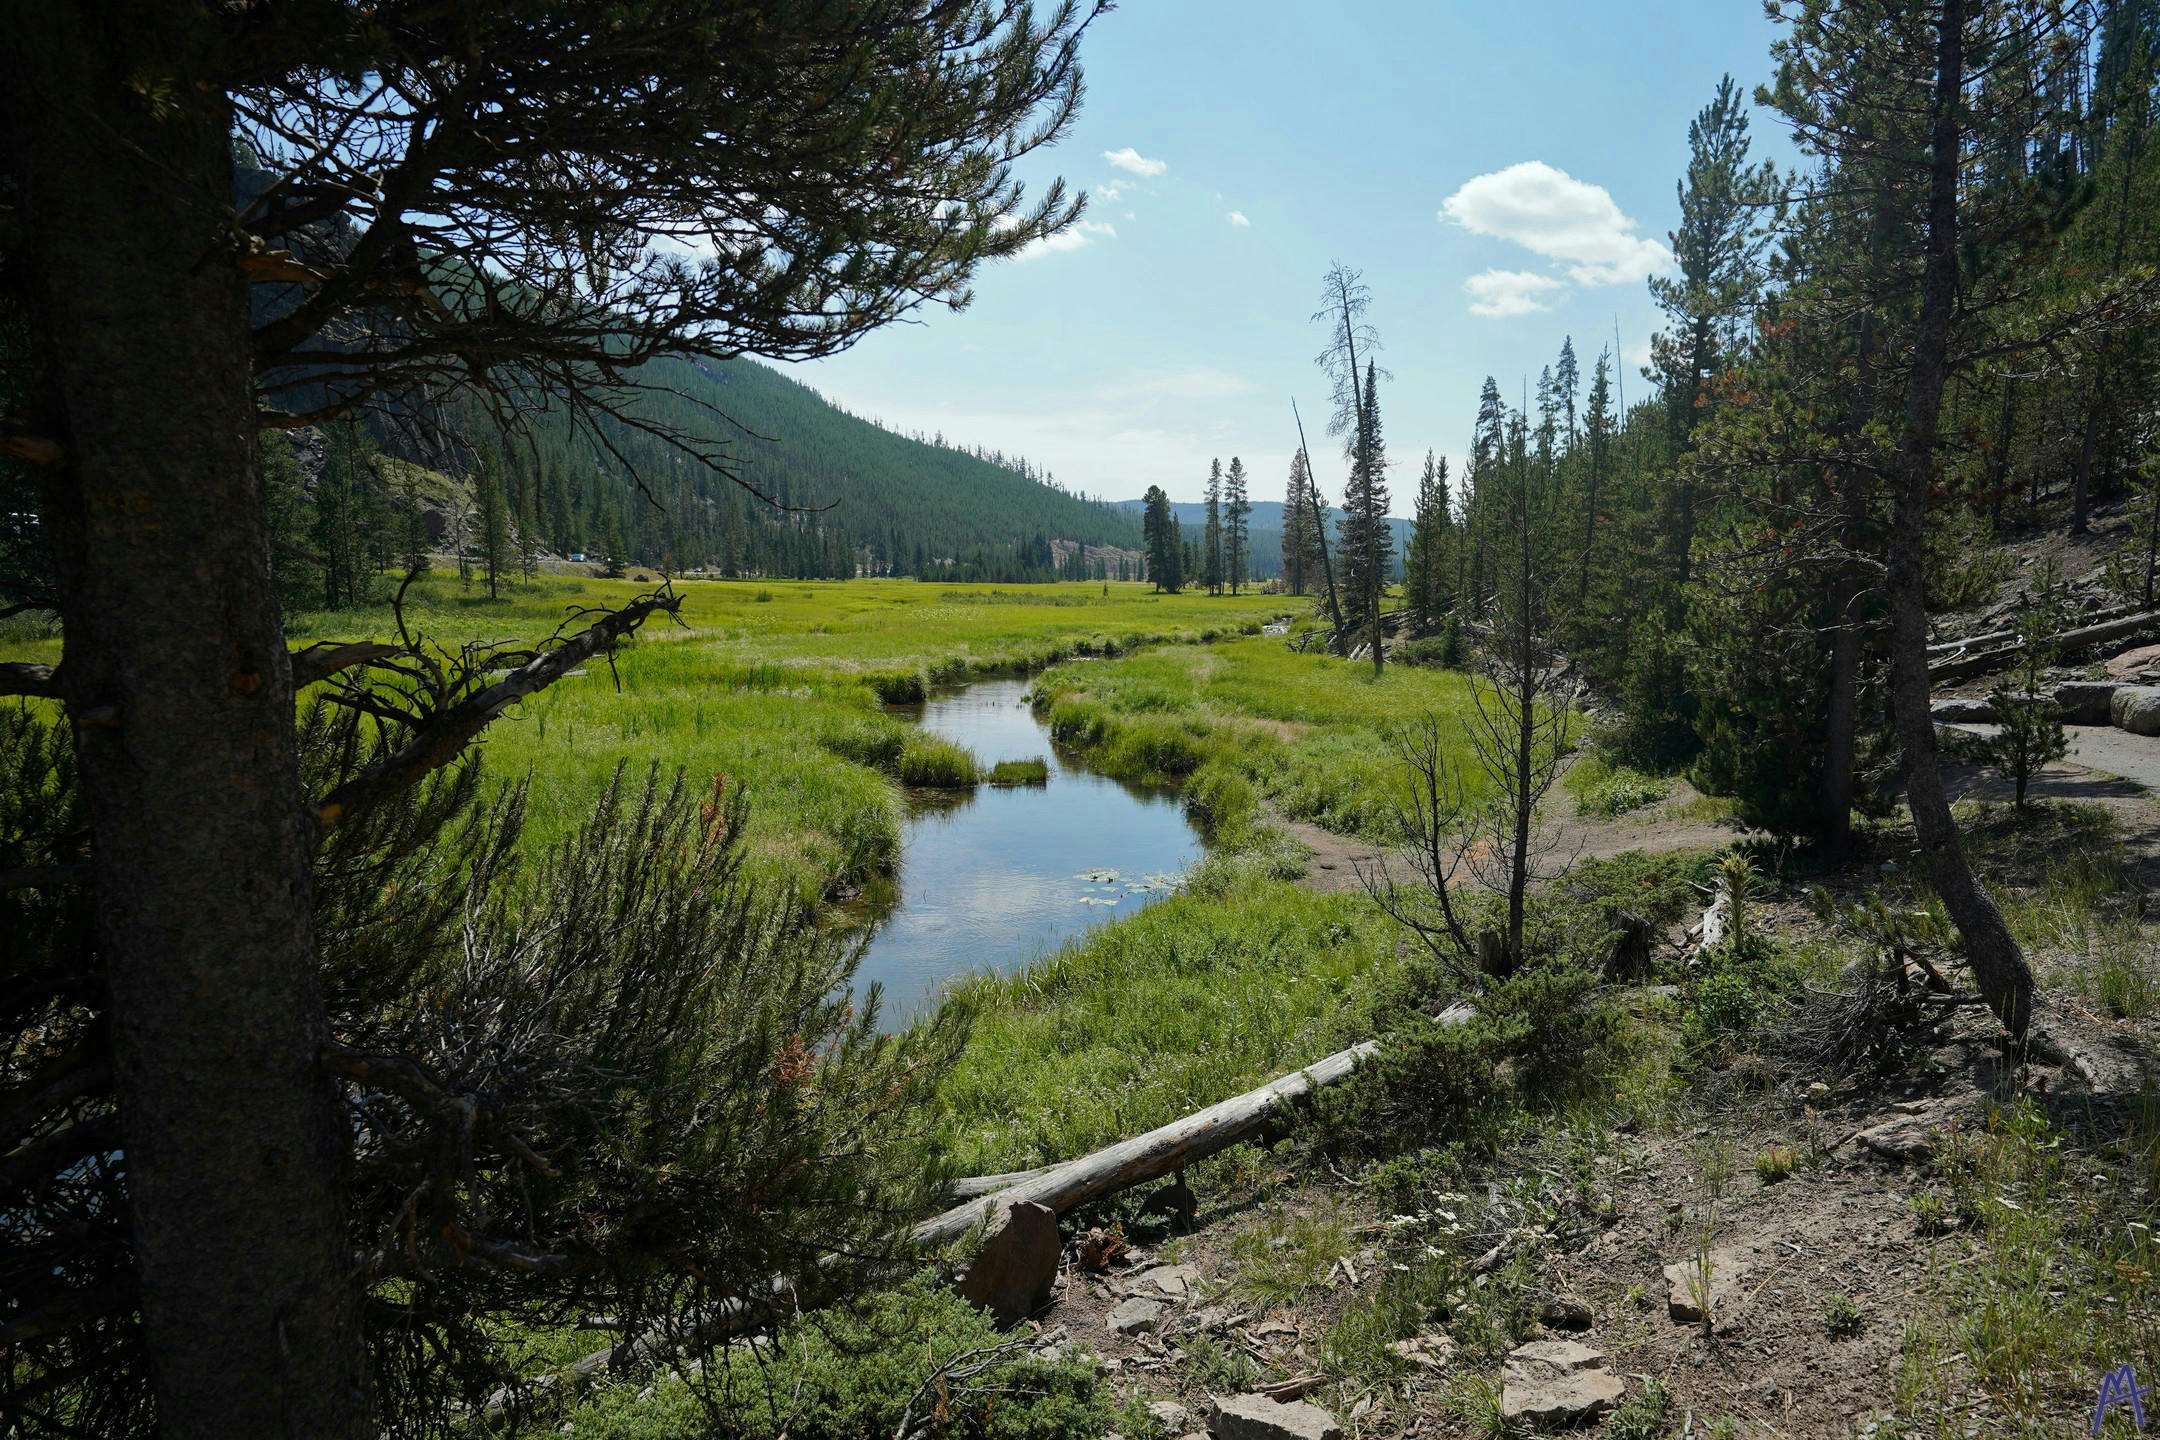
x: 779, y: 686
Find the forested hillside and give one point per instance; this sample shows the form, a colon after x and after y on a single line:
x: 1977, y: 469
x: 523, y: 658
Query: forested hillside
x: 1871, y: 372
x: 851, y: 497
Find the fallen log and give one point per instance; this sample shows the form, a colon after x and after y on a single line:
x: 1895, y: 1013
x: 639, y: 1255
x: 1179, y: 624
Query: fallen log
x: 1150, y: 1156
x: 2069, y: 642
x: 976, y: 1186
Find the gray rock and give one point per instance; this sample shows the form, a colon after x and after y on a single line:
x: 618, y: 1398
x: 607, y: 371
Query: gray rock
x: 1170, y: 1279
x: 1137, y: 1317
x: 1256, y: 1417
x: 1565, y: 1312
x: 1173, y: 1417
x: 1012, y: 1274
x: 2136, y: 708
x: 1557, y: 1382
x: 1695, y: 1298
x: 1962, y: 712
x: 1906, y: 1139
x: 2086, y: 702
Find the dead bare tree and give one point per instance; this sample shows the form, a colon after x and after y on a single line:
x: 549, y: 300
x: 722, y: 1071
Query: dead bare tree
x: 1519, y: 734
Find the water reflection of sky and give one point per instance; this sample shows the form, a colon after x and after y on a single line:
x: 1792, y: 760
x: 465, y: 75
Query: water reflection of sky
x: 993, y: 879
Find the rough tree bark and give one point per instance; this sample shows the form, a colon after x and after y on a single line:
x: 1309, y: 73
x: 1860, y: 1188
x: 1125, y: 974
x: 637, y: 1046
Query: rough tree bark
x: 180, y: 692
x: 1998, y: 965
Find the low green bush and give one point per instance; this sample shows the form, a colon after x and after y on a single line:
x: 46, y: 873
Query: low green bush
x: 841, y: 1376
x: 1020, y: 772
x: 930, y: 762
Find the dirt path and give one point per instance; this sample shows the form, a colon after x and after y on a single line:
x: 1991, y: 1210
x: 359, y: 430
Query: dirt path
x: 1674, y: 823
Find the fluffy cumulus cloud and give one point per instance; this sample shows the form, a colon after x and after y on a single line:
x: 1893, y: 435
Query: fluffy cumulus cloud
x: 1550, y: 213
x: 1077, y: 236
x: 1237, y: 218
x: 1133, y: 162
x: 1501, y: 293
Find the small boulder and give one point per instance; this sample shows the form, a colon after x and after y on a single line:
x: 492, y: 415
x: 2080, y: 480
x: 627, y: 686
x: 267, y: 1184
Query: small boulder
x: 1256, y: 1417
x: 1172, y: 1280
x: 1174, y: 1418
x: 1565, y: 1312
x: 1705, y: 1289
x: 2136, y: 708
x: 1012, y: 1274
x: 2132, y: 664
x: 2086, y: 702
x: 1429, y: 1352
x: 1557, y: 1382
x: 1906, y: 1140
x: 1137, y: 1317
x: 1962, y: 711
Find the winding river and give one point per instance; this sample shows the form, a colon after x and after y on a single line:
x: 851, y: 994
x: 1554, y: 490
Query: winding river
x: 993, y: 878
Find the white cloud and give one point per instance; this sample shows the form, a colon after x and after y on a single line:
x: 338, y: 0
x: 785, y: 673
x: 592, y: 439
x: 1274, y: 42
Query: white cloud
x: 1237, y: 218
x: 1077, y: 236
x: 1551, y: 213
x: 1499, y: 294
x: 1132, y: 161
x: 1108, y: 191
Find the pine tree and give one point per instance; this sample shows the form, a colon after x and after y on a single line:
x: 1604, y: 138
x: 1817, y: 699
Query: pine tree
x: 1237, y: 514
x: 1159, y: 530
x: 1367, y: 543
x: 343, y: 510
x: 1211, y: 545
x: 1567, y: 385
x: 1425, y: 567
x: 1719, y: 247
x: 1297, y: 531
x: 491, y: 520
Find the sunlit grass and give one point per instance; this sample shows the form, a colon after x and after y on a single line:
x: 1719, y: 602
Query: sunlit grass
x: 1193, y: 999
x: 1249, y: 719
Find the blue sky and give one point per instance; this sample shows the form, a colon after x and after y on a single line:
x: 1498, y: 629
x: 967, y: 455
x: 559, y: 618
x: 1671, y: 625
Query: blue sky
x: 1503, y: 174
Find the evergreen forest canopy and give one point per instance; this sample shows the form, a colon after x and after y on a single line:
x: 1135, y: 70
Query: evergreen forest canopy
x: 834, y: 496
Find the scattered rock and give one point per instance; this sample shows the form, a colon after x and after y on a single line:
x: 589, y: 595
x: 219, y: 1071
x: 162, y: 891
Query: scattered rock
x: 1694, y: 1298
x: 1432, y: 1352
x: 1557, y: 1382
x: 1174, y: 1418
x: 2086, y: 702
x: 2133, y: 663
x: 1906, y: 1140
x: 1012, y: 1274
x: 1962, y: 711
x: 1137, y: 1317
x: 2136, y: 708
x: 1255, y: 1417
x: 1565, y: 1312
x: 1173, y: 1280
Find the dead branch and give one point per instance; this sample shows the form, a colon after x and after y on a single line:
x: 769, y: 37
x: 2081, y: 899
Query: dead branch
x: 325, y: 658
x: 444, y: 737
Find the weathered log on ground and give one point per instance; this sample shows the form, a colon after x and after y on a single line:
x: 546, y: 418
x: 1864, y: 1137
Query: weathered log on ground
x: 1709, y: 931
x: 976, y: 1186
x: 1150, y: 1156
x: 2070, y: 642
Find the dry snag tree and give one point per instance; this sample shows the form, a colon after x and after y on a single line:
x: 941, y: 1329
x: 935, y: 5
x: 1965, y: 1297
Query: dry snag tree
x: 219, y: 219
x: 1519, y: 734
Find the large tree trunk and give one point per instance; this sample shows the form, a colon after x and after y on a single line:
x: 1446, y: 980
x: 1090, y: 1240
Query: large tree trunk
x: 1998, y: 965
x: 177, y: 683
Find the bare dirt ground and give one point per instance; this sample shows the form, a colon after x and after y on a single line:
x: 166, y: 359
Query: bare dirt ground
x: 1674, y: 823
x: 1813, y: 1275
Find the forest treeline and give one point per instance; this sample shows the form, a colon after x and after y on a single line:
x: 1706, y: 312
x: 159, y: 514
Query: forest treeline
x: 1718, y: 545
x: 825, y: 494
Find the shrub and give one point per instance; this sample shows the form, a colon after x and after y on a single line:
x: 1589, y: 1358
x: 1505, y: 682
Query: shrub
x: 1020, y: 772
x: 933, y: 763
x: 903, y: 687
x: 1775, y: 1163
x: 842, y: 1375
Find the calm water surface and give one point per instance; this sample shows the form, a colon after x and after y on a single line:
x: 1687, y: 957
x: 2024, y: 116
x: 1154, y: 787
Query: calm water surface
x: 992, y: 878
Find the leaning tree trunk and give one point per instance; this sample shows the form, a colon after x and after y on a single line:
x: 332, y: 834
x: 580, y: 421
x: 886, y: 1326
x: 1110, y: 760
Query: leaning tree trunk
x: 1998, y: 965
x: 180, y: 692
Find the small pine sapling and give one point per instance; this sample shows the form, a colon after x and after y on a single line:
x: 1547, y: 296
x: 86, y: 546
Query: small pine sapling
x: 2029, y: 732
